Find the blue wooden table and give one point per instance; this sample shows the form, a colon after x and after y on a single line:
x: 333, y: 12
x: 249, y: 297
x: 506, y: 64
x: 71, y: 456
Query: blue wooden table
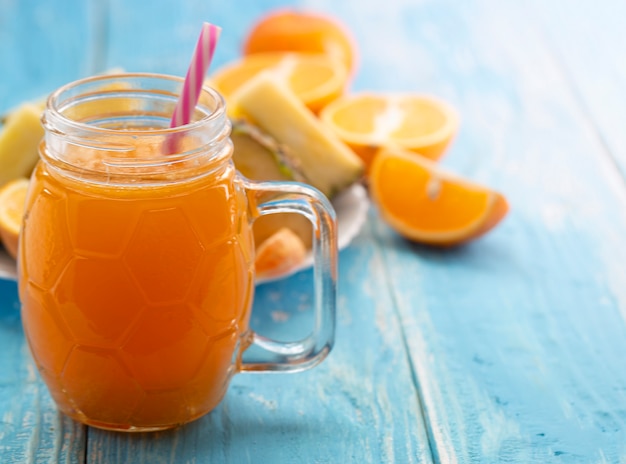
x: 509, y: 349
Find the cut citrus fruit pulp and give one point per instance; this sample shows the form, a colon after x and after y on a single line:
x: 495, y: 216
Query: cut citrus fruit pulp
x: 280, y: 253
x: 315, y: 79
x: 12, y: 198
x: 425, y: 204
x: 368, y: 121
x: 295, y: 31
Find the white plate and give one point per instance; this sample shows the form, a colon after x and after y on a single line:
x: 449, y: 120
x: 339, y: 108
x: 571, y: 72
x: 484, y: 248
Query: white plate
x: 351, y: 208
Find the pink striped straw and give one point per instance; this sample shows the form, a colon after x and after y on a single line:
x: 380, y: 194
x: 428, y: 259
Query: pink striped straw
x: 202, y: 56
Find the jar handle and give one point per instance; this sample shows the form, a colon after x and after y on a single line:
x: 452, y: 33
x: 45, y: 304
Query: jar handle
x: 292, y: 197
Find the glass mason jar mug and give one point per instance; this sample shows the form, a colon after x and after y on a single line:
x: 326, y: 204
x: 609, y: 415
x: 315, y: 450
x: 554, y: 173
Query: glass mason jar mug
x: 136, y: 257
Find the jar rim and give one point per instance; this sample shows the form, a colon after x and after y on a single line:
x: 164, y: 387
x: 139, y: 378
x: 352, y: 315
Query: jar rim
x: 83, y: 148
x: 53, y: 102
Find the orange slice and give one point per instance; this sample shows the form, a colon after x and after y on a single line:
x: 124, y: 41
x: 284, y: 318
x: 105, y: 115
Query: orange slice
x: 427, y: 205
x: 301, y: 31
x: 280, y: 253
x: 315, y: 79
x: 368, y: 121
x: 12, y: 198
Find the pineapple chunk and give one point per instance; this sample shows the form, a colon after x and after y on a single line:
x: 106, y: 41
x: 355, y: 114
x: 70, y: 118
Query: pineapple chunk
x: 326, y: 161
x: 258, y: 157
x: 19, y: 142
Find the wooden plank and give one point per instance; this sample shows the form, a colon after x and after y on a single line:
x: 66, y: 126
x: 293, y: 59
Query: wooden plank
x: 167, y: 36
x: 593, y: 61
x: 518, y: 339
x: 31, y: 429
x: 45, y: 45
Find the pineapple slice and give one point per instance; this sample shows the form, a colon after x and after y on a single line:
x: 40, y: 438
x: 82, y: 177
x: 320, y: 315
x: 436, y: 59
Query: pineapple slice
x: 19, y: 142
x: 326, y: 161
x: 258, y: 157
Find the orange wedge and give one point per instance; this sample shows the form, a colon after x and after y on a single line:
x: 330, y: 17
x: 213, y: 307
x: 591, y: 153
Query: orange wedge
x: 280, y: 253
x: 369, y: 121
x: 12, y: 198
x: 315, y: 79
x: 427, y: 205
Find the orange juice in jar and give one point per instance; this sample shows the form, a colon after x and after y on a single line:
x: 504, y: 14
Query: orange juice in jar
x: 136, y: 264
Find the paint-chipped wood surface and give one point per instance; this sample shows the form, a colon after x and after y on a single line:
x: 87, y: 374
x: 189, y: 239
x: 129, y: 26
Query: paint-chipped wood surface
x: 511, y: 349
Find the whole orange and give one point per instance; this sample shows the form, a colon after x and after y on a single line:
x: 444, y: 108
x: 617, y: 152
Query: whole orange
x: 300, y: 31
